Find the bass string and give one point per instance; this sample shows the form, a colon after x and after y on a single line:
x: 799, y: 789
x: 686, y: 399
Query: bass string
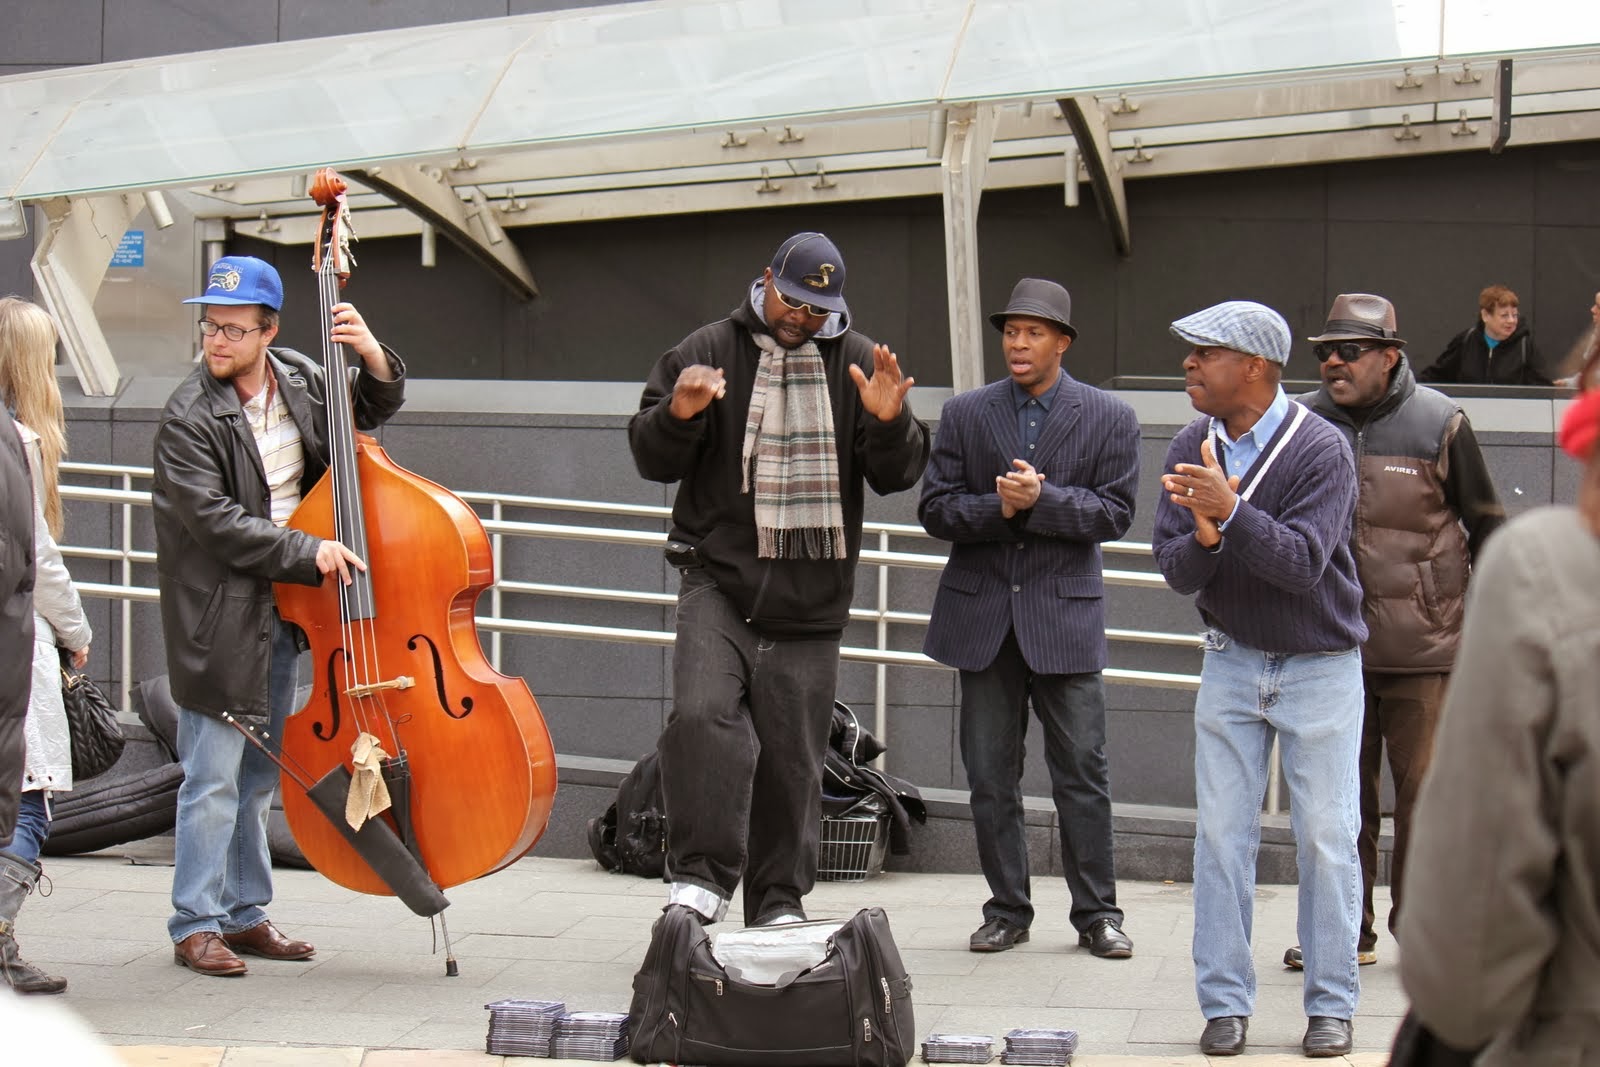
x: 361, y: 666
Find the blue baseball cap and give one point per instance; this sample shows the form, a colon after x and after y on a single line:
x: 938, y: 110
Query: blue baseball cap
x: 808, y: 269
x: 1242, y: 325
x: 242, y: 280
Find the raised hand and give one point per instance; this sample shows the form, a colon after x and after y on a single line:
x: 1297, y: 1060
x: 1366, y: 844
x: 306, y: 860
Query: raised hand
x: 697, y: 386
x: 882, y: 394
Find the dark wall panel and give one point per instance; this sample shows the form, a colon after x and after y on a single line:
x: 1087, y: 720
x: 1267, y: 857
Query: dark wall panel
x: 135, y: 29
x: 46, y: 34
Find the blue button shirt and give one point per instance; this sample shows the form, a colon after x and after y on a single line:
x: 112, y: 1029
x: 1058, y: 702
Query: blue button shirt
x: 1031, y: 413
x: 1238, y: 456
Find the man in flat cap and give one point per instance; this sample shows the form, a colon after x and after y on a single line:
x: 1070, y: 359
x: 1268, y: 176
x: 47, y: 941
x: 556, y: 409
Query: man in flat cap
x: 1028, y: 477
x: 772, y: 419
x: 1426, y: 506
x: 1255, y: 522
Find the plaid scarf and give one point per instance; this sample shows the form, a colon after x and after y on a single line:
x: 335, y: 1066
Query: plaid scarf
x: 791, y: 457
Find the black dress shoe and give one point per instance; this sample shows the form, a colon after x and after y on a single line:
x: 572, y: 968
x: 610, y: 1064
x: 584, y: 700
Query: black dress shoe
x: 1224, y: 1036
x: 1105, y: 939
x: 1326, y: 1036
x: 997, y: 935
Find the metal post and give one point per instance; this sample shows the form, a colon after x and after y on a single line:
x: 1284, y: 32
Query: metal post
x: 127, y: 603
x: 881, y: 700
x: 497, y: 544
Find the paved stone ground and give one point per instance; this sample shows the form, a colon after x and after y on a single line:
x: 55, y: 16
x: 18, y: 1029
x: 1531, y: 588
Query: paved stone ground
x: 376, y: 994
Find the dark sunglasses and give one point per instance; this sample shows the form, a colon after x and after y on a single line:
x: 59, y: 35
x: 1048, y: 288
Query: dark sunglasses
x: 809, y: 309
x: 1349, y: 351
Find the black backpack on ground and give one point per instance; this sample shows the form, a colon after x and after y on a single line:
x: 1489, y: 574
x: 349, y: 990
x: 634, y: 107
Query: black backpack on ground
x: 631, y: 837
x: 851, y: 1010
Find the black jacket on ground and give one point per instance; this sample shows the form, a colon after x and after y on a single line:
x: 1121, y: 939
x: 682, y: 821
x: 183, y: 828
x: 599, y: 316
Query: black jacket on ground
x: 217, y: 549
x: 1467, y: 359
x: 781, y: 597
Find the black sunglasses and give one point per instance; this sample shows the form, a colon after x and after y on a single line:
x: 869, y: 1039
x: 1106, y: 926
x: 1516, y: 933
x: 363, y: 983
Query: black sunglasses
x: 1349, y: 351
x: 809, y: 309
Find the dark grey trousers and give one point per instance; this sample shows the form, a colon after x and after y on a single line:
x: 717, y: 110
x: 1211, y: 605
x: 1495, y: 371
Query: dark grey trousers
x: 741, y: 755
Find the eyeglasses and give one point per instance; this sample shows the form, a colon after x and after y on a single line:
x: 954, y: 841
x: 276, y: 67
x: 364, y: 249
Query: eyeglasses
x: 809, y: 309
x: 230, y: 331
x: 1349, y: 351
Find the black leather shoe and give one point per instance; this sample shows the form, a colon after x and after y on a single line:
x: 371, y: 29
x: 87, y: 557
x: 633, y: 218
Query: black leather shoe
x: 1327, y: 1037
x: 997, y: 935
x: 1105, y: 939
x: 1224, y: 1036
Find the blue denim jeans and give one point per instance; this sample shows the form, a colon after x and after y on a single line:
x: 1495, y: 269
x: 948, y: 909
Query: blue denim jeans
x: 222, y: 875
x: 1314, y: 702
x: 741, y: 757
x: 33, y: 826
x: 994, y: 727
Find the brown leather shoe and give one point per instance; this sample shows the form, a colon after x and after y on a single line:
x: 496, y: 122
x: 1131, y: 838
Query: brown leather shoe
x: 205, y: 953
x: 264, y: 940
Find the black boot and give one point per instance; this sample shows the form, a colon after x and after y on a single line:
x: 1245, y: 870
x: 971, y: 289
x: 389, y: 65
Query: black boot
x: 17, y: 879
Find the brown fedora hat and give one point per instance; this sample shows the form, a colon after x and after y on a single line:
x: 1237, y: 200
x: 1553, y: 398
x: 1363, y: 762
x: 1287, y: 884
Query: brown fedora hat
x: 1360, y: 317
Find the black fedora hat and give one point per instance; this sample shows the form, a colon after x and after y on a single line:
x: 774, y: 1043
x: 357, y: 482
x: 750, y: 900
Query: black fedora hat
x: 1038, y: 299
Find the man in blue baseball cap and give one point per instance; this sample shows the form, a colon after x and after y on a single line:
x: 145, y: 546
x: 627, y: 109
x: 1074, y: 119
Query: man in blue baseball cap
x: 220, y: 515
x: 1255, y: 522
x: 772, y: 419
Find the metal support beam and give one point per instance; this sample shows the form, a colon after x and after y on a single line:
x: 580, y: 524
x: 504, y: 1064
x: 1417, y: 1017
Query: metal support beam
x: 69, y: 264
x: 436, y: 202
x: 1094, y: 143
x: 968, y: 136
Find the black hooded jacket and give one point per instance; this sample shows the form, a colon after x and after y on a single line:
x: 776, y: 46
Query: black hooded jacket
x: 779, y: 597
x: 1469, y: 360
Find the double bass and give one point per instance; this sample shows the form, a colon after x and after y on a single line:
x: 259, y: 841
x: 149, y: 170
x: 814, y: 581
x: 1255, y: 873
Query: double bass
x: 402, y: 690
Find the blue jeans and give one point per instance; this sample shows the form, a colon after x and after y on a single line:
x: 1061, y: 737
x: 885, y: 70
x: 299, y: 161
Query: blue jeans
x: 1314, y: 702
x: 222, y: 876
x: 741, y: 757
x: 994, y: 726
x: 33, y: 826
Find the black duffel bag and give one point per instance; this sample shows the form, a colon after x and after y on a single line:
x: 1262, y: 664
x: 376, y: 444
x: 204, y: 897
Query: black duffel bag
x: 851, y: 1010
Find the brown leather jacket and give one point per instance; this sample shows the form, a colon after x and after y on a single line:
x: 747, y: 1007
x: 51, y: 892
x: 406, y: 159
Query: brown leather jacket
x: 1426, y: 504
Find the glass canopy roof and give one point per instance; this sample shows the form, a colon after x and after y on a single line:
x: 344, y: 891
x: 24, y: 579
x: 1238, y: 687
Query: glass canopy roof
x: 636, y: 71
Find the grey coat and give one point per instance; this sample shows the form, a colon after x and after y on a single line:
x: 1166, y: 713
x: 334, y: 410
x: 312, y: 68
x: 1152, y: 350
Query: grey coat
x: 16, y: 618
x: 1500, y: 938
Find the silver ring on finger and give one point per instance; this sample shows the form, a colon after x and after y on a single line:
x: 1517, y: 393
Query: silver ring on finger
x: 1189, y: 491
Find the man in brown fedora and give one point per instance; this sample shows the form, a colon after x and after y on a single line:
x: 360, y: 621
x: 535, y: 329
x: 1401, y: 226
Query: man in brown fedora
x: 1028, y: 476
x: 1425, y: 507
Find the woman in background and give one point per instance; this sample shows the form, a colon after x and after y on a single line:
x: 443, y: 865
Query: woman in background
x: 1501, y: 948
x: 28, y: 387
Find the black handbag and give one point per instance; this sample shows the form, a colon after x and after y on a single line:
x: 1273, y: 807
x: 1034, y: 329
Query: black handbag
x: 851, y: 1010
x: 97, y: 739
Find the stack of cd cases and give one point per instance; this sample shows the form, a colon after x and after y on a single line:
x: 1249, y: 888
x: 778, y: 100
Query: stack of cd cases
x: 958, y: 1048
x: 522, y: 1027
x: 591, y: 1035
x: 1042, y: 1048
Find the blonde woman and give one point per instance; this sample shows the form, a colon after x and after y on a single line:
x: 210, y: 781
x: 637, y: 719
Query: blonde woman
x: 28, y: 387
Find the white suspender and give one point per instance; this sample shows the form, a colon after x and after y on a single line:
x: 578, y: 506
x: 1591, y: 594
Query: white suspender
x: 1283, y: 439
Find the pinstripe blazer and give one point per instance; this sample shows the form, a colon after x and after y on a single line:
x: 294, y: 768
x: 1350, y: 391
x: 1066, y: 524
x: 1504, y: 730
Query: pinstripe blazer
x: 1038, y: 572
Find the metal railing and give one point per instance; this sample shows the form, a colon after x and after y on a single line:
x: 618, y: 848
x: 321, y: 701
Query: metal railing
x: 493, y: 509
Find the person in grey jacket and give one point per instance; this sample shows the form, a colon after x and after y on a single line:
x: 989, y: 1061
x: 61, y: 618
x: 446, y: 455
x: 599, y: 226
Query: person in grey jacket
x: 28, y: 386
x: 238, y: 443
x: 1500, y: 939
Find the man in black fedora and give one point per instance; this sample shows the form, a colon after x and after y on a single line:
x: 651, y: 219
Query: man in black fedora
x: 1028, y: 476
x: 1426, y: 505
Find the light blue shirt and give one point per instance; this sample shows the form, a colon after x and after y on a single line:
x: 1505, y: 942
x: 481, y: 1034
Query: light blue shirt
x: 1238, y: 456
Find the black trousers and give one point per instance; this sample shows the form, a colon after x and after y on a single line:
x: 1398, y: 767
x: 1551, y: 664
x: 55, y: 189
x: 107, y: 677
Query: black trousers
x: 741, y: 755
x: 994, y: 726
